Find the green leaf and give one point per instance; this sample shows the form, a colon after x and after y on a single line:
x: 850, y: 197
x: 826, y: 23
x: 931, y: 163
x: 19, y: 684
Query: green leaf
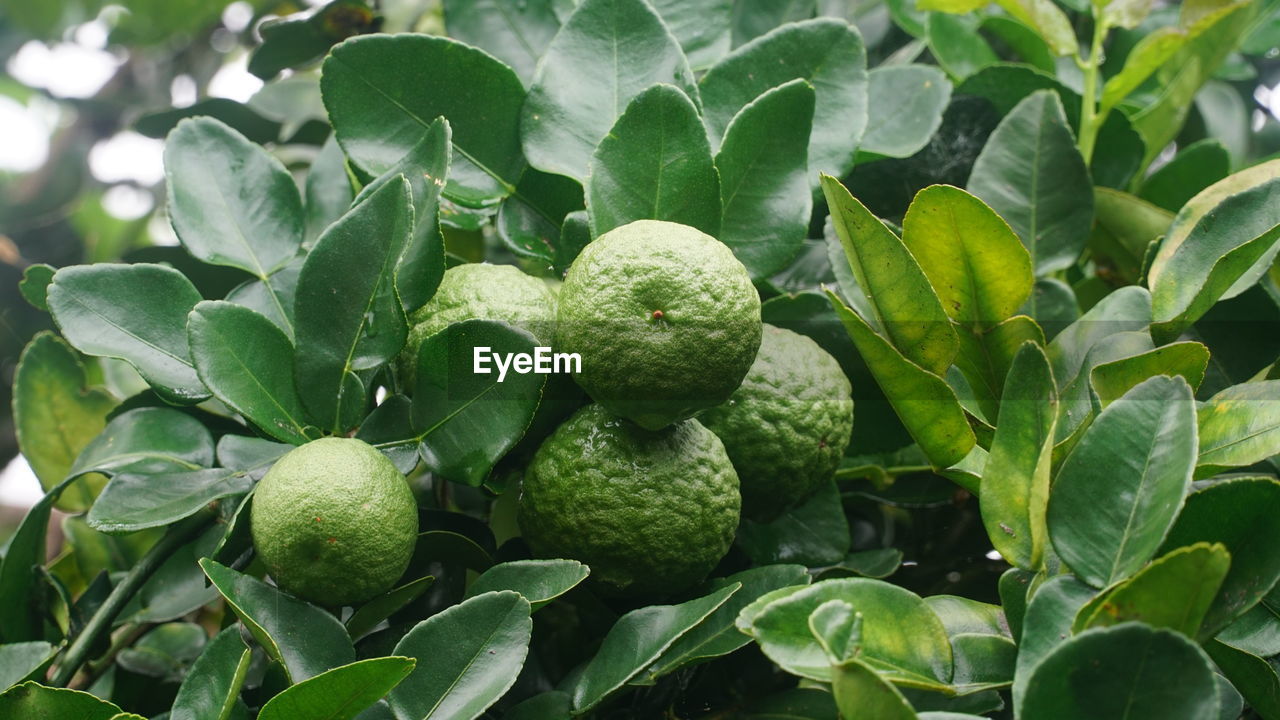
x: 860, y: 691
x: 515, y: 33
x: 1015, y: 483
x: 753, y: 18
x: 293, y: 42
x: 1118, y: 492
x: 815, y: 532
x: 1255, y: 678
x: 962, y: 616
x: 1111, y: 380
x: 56, y: 414
x: 902, y: 638
x: 826, y: 52
x: 1109, y: 673
x: 1125, y: 227
x: 383, y: 92
x: 1194, y: 168
x: 135, y: 313
x: 1124, y: 13
x: 1032, y: 175
x: 654, y: 164
x: 468, y: 656
x: 532, y: 221
x: 1173, y: 592
x: 637, y: 640
x: 23, y: 661
x: 1239, y: 514
x: 539, y: 581
x: 1221, y: 243
x: 1152, y: 51
x: 905, y: 105
x: 32, y: 701
x: 349, y: 317
x: 466, y: 421
x: 903, y: 305
x: 838, y: 629
x: 1257, y: 631
x: 879, y: 563
x: 132, y: 502
x: 923, y: 401
x: 327, y: 190
x: 1046, y: 624
x: 551, y: 705
x: 274, y: 301
x: 1239, y: 426
x: 230, y: 201
x: 368, y: 616
x: 304, y: 639
x: 607, y: 53
x: 148, y: 440
x: 340, y: 693
x: 957, y: 7
x: 957, y: 45
x: 248, y: 364
x: 34, y: 285
x: 717, y: 634
x: 982, y: 662
x: 701, y: 26
x: 1048, y: 20
x: 764, y: 178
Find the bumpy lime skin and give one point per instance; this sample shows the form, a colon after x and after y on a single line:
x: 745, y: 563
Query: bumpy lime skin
x: 665, y: 318
x: 480, y: 291
x: 334, y: 522
x: 650, y: 512
x: 787, y: 426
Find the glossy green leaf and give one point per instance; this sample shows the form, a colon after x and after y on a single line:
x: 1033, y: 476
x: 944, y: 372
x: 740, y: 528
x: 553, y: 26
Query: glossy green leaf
x: 1239, y: 514
x: 539, y: 581
x: 1239, y: 426
x: 1173, y: 592
x: 468, y: 656
x: 1048, y: 20
x: 135, y: 313
x: 349, y: 317
x: 1187, y: 360
x: 1119, y: 491
x: 466, y: 421
x: 637, y: 640
x: 56, y: 414
x: 551, y: 705
x: 654, y: 164
x: 340, y: 693
x: 1194, y: 168
x: 764, y: 178
x: 327, y: 191
x: 826, y: 52
x: 248, y: 364
x: 371, y: 614
x: 383, y: 92
x: 607, y: 53
x: 32, y: 701
x: 532, y: 221
x: 902, y: 638
x: 1228, y: 249
x: 1015, y: 483
x: 717, y: 634
x: 1046, y: 624
x: 860, y: 691
x: 22, y: 661
x: 879, y: 563
x: 304, y: 639
x: 701, y: 26
x: 923, y: 401
x: 815, y: 532
x: 1255, y: 678
x: 1109, y: 673
x: 1257, y: 631
x: 230, y: 201
x: 963, y: 616
x: 132, y: 502
x: 838, y: 629
x: 904, y: 306
x: 148, y: 440
x: 515, y: 33
x: 1032, y: 175
x: 905, y: 105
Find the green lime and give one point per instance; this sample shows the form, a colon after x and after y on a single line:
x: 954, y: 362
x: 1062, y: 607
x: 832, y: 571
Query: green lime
x: 788, y: 425
x: 665, y: 318
x: 480, y: 291
x: 334, y: 522
x: 650, y: 512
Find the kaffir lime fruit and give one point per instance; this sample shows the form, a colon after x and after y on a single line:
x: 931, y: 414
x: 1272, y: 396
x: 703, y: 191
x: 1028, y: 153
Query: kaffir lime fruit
x: 334, y: 522
x: 650, y: 512
x: 665, y: 318
x: 787, y: 426
x: 480, y: 291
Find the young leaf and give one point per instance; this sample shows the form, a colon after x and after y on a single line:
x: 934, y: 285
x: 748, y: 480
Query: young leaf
x: 1031, y: 173
x: 1048, y: 20
x: 349, y: 316
x: 1239, y: 426
x: 1015, y: 482
x: 636, y: 640
x: 1119, y: 491
x: 212, y: 686
x: 304, y: 639
x: 517, y: 34
x: 905, y: 104
x: 340, y: 693
x: 135, y: 313
x: 654, y: 164
x: 606, y: 54
x: 1173, y: 592
x: 764, y: 178
x: 382, y: 92
x: 248, y: 364
x: 540, y: 581
x: 826, y: 52
x: 468, y: 656
x: 56, y: 414
x: 838, y: 629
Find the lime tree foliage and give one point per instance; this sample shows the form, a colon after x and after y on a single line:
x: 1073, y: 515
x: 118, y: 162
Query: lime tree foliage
x: 1024, y: 249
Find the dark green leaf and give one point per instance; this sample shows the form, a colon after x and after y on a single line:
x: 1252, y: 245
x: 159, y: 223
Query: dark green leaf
x: 552, y: 705
x: 515, y: 33
x: 133, y: 502
x: 955, y: 42
x: 654, y: 164
x: 1255, y: 678
x: 293, y: 42
x: 814, y: 532
x: 905, y: 103
x: 1046, y: 624
x: 327, y: 191
x: 136, y: 313
x: 1193, y: 169
x: 753, y: 18
x: 22, y: 661
x: 368, y: 616
x: 34, y: 285
x: 701, y: 26
x: 31, y: 701
x: 148, y: 440
x: 531, y: 221
x: 539, y: 581
x: 340, y: 693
